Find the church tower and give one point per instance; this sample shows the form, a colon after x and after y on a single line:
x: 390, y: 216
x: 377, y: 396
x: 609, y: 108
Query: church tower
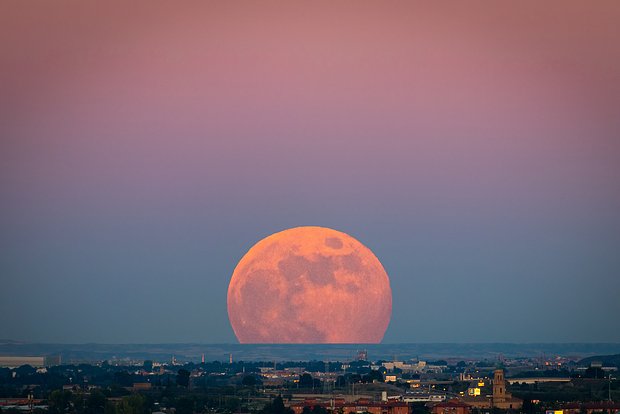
x: 499, y: 386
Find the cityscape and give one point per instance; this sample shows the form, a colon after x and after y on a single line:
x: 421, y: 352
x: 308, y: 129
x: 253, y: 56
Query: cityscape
x: 537, y: 384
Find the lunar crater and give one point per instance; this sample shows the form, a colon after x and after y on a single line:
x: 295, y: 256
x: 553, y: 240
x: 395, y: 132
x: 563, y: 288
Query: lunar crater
x: 333, y: 242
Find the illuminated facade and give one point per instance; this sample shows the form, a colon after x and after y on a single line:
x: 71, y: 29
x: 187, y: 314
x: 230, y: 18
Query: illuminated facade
x: 500, y: 399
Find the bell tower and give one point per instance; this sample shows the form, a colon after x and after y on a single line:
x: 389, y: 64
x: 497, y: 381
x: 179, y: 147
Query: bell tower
x: 499, y: 386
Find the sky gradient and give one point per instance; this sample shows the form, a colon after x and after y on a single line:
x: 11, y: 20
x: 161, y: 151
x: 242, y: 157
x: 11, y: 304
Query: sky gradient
x: 472, y: 146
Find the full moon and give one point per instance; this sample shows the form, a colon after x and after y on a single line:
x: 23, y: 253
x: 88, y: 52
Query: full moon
x: 309, y: 285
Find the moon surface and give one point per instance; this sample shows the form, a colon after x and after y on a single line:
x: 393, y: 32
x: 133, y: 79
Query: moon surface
x: 309, y: 285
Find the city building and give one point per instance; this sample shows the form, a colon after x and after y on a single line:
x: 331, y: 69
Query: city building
x: 451, y: 407
x: 500, y: 398
x: 610, y: 407
x: 33, y: 361
x: 362, y: 405
x: 141, y: 386
x: 422, y: 396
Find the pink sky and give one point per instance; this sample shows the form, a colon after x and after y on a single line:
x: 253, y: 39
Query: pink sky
x: 387, y: 120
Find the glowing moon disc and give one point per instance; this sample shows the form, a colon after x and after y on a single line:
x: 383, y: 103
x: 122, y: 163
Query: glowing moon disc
x: 309, y: 285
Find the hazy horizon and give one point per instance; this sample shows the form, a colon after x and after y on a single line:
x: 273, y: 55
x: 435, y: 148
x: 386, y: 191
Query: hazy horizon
x: 292, y: 352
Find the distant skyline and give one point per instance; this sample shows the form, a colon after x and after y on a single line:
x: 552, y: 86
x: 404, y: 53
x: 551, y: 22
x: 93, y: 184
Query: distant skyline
x: 472, y: 146
x: 297, y: 352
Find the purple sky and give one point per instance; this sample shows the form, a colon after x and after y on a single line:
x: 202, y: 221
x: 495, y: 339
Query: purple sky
x: 473, y: 146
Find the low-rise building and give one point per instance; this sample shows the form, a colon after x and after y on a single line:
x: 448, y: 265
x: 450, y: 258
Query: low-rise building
x: 362, y: 405
x: 610, y: 407
x: 451, y: 407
